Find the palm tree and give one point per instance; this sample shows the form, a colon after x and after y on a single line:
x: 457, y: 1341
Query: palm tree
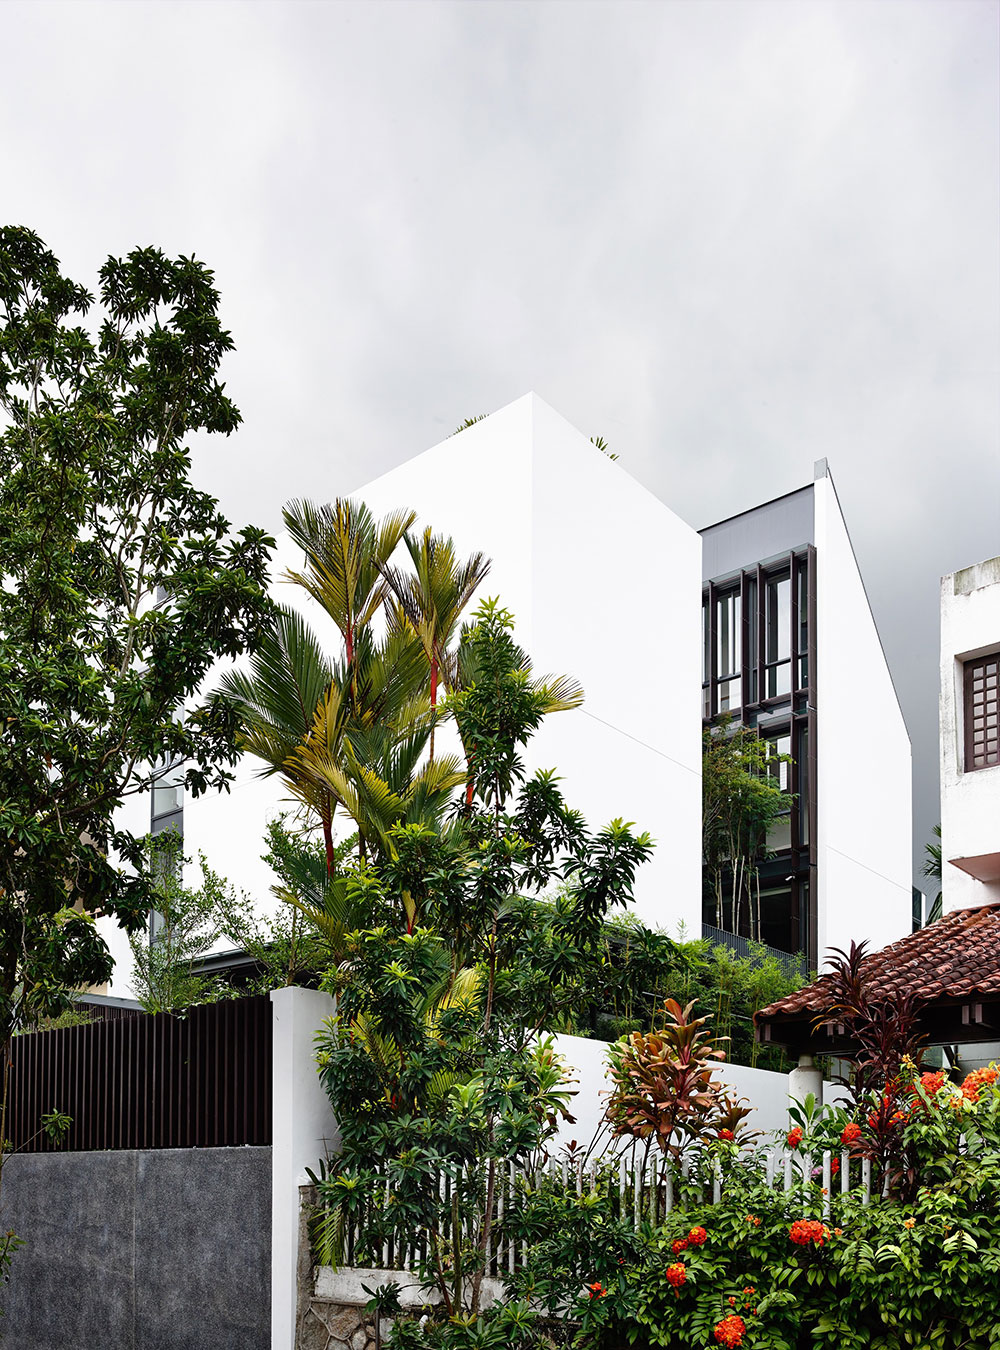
x: 290, y: 679
x: 373, y: 768
x: 432, y: 598
x: 346, y: 551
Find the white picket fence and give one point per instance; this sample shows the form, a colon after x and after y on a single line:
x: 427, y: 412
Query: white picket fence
x: 644, y: 1189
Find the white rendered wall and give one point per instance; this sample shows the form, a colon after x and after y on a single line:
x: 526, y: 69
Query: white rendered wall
x: 304, y: 1131
x: 970, y: 802
x: 863, y: 761
x: 586, y: 1062
x: 605, y: 584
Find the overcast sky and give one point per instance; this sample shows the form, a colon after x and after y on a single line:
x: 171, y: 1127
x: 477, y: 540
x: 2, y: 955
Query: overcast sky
x: 729, y: 237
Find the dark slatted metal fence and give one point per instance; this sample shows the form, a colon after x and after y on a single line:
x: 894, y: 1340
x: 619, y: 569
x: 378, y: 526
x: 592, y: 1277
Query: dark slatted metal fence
x: 165, y: 1081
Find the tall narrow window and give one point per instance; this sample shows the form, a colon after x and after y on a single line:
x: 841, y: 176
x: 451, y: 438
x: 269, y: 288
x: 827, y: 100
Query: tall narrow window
x: 728, y: 631
x: 802, y: 637
x: 802, y: 760
x: 752, y: 638
x: 706, y: 662
x: 982, y: 712
x: 167, y: 815
x: 778, y: 646
x: 779, y: 835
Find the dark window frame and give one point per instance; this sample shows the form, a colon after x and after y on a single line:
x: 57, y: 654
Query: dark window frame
x: 985, y: 743
x: 796, y: 710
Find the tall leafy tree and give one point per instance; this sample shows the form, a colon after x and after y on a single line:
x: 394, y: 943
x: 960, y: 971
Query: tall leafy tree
x: 120, y: 584
x: 435, y: 1066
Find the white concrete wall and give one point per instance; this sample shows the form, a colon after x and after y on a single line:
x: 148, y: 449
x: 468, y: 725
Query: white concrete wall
x: 862, y: 753
x: 586, y: 1062
x: 304, y: 1131
x: 617, y: 603
x: 970, y: 802
x: 604, y: 582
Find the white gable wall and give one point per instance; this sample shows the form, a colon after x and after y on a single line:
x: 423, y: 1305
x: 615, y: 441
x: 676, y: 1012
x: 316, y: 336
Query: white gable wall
x: 604, y: 583
x: 863, y: 755
x: 617, y: 603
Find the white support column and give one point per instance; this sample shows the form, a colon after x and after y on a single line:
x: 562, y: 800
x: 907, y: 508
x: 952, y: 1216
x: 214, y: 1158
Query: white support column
x: 304, y: 1130
x: 805, y: 1078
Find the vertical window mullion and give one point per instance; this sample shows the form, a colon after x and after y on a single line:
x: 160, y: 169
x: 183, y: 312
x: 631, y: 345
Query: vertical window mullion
x: 746, y: 693
x: 713, y: 670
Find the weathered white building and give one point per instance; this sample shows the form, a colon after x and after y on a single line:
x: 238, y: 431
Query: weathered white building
x: 970, y: 736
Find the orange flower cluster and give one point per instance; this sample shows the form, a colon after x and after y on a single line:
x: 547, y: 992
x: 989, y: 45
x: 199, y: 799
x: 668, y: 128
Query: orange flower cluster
x: 931, y: 1082
x: 977, y: 1080
x: 804, y: 1231
x: 726, y: 1134
x: 697, y: 1236
x: 676, y: 1274
x: 748, y: 1294
x: 730, y: 1331
x: 852, y: 1132
x: 681, y: 1245
x: 794, y: 1137
x: 596, y: 1290
x: 752, y: 1218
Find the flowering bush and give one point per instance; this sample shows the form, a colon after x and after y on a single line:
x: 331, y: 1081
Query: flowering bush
x: 730, y: 1331
x: 765, y: 1270
x: 804, y: 1231
x: 676, y: 1274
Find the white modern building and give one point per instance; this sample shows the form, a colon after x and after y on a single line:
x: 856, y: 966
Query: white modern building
x: 790, y: 647
x: 970, y: 736
x: 607, y: 584
x: 578, y: 549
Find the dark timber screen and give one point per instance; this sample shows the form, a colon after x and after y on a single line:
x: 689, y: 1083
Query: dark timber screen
x: 202, y: 1080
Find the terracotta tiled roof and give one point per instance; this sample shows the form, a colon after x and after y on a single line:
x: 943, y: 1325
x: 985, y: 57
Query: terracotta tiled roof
x: 953, y: 958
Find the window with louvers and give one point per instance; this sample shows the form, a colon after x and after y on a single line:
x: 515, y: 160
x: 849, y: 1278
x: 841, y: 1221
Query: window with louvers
x: 982, y: 712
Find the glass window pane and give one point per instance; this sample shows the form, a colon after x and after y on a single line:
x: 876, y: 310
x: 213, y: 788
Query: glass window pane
x: 779, y: 680
x: 728, y: 632
x: 803, y: 602
x: 779, y: 836
x: 779, y: 618
x: 166, y: 798
x: 782, y: 745
x: 802, y: 761
x: 706, y: 655
x: 729, y: 695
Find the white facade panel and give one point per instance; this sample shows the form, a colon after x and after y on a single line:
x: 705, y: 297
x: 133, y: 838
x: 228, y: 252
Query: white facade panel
x: 863, y: 758
x: 970, y: 801
x: 617, y: 604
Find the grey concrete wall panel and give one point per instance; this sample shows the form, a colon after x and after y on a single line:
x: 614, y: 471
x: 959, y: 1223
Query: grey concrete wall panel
x: 71, y: 1284
x: 765, y: 532
x: 159, y: 1250
x: 203, y: 1250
